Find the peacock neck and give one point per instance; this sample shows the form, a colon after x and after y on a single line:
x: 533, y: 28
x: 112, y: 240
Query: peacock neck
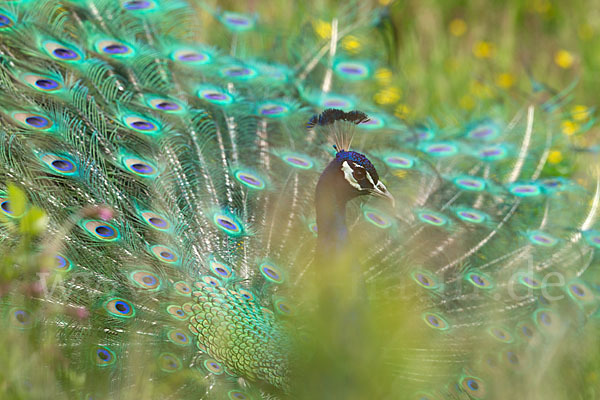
x: 331, y: 196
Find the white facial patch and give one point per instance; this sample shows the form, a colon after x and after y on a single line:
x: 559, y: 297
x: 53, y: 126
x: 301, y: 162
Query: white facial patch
x: 348, y: 175
x: 370, y: 179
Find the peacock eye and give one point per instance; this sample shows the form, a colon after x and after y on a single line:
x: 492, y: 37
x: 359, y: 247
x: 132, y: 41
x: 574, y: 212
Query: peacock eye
x: 359, y: 174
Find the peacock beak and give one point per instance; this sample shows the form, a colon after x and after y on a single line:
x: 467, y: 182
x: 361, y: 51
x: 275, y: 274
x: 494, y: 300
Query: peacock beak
x: 381, y: 191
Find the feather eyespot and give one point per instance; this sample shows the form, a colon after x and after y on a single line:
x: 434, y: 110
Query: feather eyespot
x: 236, y: 22
x: 331, y: 100
x: 530, y: 281
x: 20, y: 318
x: 246, y: 294
x: 473, y: 386
x: 440, y: 149
x: 137, y: 5
x: 492, y: 153
x: 592, y: 237
x: 352, y: 70
x: 60, y: 164
x: 42, y: 83
x: 141, y: 125
x: 101, y: 230
x: 178, y: 337
x: 213, y: 366
x: 156, y: 221
x: 273, y: 110
x: 501, y: 334
x: 140, y: 167
x: 145, y: 280
x: 60, y: 52
x: 548, y: 321
x: 480, y: 280
x: 165, y: 254
x: 470, y: 183
x: 104, y: 356
x: 471, y: 215
x: 484, y: 131
x: 435, y: 321
x: 238, y: 72
x: 298, y: 161
x: 183, y: 288
x: 400, y: 161
x: 177, y: 312
x: 62, y: 263
x: 526, y: 330
x: 5, y: 21
x: 220, y: 269
x: 35, y: 121
x: 525, y: 189
x: 237, y: 395
x: 250, y: 179
x: 228, y: 224
x: 211, y: 281
x: 282, y: 307
x: 6, y: 208
x: 378, y: 218
x: 165, y: 105
x: 580, y: 292
x: 169, y: 362
x: 215, y: 95
x: 119, y: 308
x: 191, y: 57
x: 540, y: 238
x: 432, y: 218
x: 512, y: 358
x: 47, y: 84
x: 271, y: 273
x: 113, y: 48
x: 425, y: 279
x: 5, y: 205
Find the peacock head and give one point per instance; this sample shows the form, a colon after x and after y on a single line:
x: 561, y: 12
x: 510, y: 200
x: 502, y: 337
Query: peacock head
x: 361, y: 175
x: 350, y: 174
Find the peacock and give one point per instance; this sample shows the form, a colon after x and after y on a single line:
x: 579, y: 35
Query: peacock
x: 197, y: 204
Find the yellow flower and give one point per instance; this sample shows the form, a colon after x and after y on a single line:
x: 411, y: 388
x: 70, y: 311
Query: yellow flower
x: 555, y: 157
x: 505, y: 80
x: 383, y: 75
x: 322, y: 28
x: 564, y: 59
x: 483, y: 49
x: 466, y: 102
x: 457, y: 27
x: 569, y: 127
x: 542, y: 6
x: 389, y: 95
x: 580, y: 113
x: 351, y: 44
x: 480, y: 90
x: 402, y: 111
x: 385, y: 2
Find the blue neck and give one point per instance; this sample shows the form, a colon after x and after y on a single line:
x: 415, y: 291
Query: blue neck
x: 332, y: 194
